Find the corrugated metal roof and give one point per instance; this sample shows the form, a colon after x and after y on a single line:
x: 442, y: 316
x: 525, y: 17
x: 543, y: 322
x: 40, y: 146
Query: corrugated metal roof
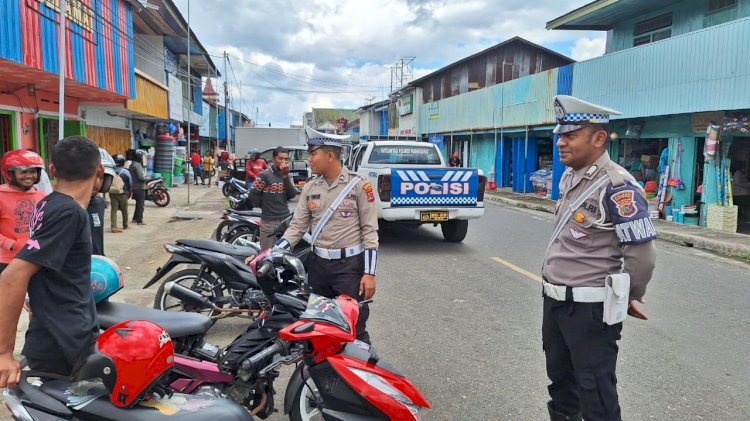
x: 521, y: 102
x: 705, y: 70
x: 10, y: 31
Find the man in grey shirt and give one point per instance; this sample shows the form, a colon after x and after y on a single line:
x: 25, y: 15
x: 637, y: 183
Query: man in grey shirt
x: 271, y: 191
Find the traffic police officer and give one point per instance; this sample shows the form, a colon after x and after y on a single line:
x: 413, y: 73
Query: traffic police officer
x: 345, y: 244
x: 603, y: 232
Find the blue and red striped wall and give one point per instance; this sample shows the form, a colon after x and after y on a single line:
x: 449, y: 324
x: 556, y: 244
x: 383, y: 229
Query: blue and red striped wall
x: 100, y: 49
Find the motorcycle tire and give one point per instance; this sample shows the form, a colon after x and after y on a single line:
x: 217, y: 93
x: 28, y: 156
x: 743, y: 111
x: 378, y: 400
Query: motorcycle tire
x: 222, y: 230
x: 302, y: 408
x: 161, y: 197
x: 227, y: 189
x: 249, y: 234
x: 188, y: 278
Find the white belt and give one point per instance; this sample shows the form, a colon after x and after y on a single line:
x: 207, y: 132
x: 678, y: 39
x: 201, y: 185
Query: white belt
x: 580, y: 294
x: 333, y: 254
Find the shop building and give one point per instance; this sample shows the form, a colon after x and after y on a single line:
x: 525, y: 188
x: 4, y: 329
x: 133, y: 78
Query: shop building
x: 98, y: 70
x: 672, y: 69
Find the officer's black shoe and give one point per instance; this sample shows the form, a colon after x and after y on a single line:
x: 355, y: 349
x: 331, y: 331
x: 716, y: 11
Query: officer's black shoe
x: 559, y: 416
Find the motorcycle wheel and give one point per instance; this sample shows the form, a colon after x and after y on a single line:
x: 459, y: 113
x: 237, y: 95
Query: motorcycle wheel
x: 304, y: 408
x: 240, y: 236
x: 194, y: 279
x: 222, y: 230
x: 226, y: 189
x: 161, y: 197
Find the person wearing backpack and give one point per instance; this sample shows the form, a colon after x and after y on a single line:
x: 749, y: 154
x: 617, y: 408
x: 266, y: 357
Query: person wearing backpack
x: 119, y: 193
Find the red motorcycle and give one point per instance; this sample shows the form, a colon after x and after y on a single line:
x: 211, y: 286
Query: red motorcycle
x: 340, y: 378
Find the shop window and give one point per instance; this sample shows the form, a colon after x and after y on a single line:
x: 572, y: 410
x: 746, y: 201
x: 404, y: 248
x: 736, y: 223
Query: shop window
x: 716, y: 5
x: 652, y: 30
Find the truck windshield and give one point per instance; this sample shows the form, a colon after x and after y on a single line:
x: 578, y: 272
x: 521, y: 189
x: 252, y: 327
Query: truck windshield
x: 405, y: 154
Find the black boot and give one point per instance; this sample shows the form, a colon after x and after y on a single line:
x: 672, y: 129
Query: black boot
x: 559, y: 416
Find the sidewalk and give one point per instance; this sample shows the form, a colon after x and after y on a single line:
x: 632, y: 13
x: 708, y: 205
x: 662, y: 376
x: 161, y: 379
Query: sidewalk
x: 728, y: 244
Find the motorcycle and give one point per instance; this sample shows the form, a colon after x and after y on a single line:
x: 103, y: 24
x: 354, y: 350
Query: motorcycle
x: 342, y: 378
x: 222, y: 276
x: 235, y: 222
x: 242, y: 371
x: 157, y: 192
x: 234, y: 186
x: 49, y: 400
x: 240, y: 201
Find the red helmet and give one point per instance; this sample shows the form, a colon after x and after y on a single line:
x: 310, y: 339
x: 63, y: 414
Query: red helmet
x: 20, y: 160
x: 130, y: 358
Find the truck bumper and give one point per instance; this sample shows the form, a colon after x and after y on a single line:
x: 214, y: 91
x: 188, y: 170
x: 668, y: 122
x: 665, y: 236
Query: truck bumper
x: 414, y: 214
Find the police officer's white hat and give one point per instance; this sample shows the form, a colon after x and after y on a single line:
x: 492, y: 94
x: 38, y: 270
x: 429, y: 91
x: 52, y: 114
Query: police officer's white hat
x: 572, y: 114
x: 316, y: 139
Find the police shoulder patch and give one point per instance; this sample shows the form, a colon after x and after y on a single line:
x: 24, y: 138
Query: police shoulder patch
x: 628, y: 211
x: 367, y: 187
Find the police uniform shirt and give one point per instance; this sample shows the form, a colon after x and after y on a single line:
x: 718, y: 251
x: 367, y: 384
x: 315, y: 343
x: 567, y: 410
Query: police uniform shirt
x: 354, y: 222
x: 609, y: 233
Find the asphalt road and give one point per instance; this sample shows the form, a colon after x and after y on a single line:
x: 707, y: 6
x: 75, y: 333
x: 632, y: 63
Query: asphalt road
x: 465, y: 328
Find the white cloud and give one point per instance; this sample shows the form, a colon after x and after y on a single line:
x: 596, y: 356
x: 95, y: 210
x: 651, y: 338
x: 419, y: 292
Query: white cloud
x: 291, y: 55
x: 586, y: 48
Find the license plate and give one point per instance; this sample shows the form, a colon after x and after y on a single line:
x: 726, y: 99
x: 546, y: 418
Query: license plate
x: 433, y: 216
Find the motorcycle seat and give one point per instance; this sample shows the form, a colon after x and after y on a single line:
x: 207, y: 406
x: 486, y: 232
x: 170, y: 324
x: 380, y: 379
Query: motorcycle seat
x: 177, y: 324
x: 219, y: 247
x: 183, y: 407
x: 244, y: 213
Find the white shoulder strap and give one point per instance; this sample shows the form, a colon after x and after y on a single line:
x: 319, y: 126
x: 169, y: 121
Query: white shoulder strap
x: 329, y: 212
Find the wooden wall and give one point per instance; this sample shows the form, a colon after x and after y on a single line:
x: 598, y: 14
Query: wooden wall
x: 115, y: 141
x: 150, y: 98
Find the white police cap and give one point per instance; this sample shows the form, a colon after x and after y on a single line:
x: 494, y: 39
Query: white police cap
x: 572, y: 114
x: 316, y: 139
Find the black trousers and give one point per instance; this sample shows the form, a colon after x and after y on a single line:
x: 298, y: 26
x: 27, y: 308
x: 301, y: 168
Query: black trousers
x: 331, y: 278
x: 581, y: 353
x: 140, y: 198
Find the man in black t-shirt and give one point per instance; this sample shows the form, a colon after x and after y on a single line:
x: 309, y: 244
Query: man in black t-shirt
x: 54, y: 267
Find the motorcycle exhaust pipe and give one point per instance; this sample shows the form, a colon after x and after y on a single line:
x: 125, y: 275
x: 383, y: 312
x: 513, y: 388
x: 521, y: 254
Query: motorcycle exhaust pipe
x: 187, y: 295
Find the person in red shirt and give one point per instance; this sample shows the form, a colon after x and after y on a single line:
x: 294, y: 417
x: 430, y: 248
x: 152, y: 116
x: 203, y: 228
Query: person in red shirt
x: 18, y: 198
x: 195, y: 161
x: 253, y: 167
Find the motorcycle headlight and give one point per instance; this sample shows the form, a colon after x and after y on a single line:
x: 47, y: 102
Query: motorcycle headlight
x: 382, y: 385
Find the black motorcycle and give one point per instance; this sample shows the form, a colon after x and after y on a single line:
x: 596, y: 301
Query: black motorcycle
x: 239, y: 224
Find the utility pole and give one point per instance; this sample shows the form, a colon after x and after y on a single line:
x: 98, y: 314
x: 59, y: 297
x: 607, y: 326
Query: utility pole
x: 226, y: 103
x: 190, y: 93
x: 61, y: 54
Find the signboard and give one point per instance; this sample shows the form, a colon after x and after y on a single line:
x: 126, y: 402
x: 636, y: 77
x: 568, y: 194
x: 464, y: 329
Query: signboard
x: 434, y: 187
x: 700, y: 121
x: 434, y: 110
x: 405, y: 104
x: 175, y: 97
x: 437, y: 139
x: 205, y: 129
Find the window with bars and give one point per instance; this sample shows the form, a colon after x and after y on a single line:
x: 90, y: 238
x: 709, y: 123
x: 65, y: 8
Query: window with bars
x: 716, y: 5
x: 652, y: 30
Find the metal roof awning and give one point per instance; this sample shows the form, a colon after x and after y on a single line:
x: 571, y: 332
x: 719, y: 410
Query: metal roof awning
x: 602, y: 15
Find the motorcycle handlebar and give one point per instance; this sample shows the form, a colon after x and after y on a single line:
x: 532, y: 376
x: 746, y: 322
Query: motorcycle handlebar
x: 276, y: 348
x: 265, y: 268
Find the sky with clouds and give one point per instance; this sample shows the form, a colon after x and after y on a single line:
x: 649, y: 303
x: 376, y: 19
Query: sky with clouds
x: 289, y: 56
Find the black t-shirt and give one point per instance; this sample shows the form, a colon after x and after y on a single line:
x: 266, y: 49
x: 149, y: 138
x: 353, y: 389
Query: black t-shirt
x: 96, y: 215
x: 64, y: 315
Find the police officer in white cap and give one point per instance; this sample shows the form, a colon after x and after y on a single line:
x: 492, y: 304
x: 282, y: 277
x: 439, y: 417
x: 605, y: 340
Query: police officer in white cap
x: 596, y: 267
x: 339, y: 208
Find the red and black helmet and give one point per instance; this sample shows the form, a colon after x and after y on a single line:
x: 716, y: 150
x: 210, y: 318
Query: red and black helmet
x: 130, y: 358
x: 20, y: 160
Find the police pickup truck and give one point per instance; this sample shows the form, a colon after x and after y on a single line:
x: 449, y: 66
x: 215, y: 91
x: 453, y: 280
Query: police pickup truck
x: 412, y: 184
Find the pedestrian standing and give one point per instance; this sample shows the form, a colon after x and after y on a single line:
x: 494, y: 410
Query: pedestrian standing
x: 254, y: 166
x: 208, y: 166
x: 270, y: 192
x: 119, y: 193
x: 455, y: 161
x: 138, y: 184
x: 600, y: 258
x: 195, y: 162
x: 21, y: 169
x: 338, y: 206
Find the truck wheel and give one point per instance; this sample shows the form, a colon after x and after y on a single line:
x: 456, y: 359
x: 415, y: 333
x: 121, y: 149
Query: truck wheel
x: 455, y: 231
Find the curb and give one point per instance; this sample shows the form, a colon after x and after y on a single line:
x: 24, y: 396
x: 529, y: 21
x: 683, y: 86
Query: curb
x: 701, y: 238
